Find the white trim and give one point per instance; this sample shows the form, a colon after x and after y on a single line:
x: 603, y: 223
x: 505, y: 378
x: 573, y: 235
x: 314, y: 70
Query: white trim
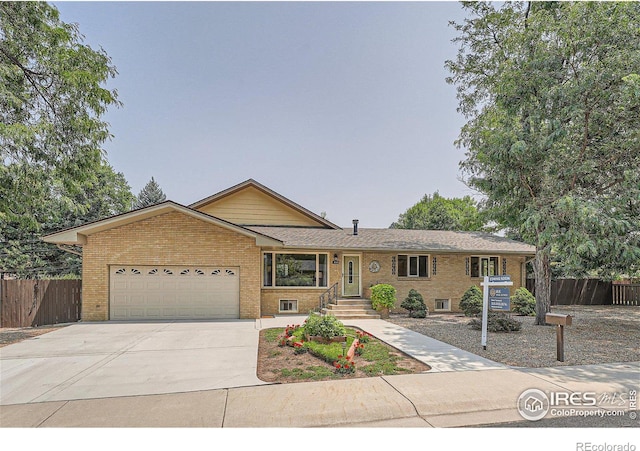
x: 359, y: 275
x: 486, y: 256
x: 290, y: 287
x: 287, y: 311
x: 435, y: 305
x: 78, y: 235
x: 268, y: 191
x: 417, y: 255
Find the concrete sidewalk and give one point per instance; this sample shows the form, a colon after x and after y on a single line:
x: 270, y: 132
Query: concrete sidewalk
x: 462, y: 389
x: 451, y: 399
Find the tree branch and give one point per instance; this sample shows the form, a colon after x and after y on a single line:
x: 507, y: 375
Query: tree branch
x: 585, y: 142
x: 29, y: 76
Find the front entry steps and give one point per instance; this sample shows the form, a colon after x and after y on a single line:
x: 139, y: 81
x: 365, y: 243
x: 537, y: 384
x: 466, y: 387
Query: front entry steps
x: 352, y: 308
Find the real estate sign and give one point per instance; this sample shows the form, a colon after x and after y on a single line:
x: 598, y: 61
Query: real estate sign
x: 499, y: 299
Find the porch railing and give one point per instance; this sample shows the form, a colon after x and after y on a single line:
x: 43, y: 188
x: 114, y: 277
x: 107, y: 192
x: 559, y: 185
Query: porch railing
x: 329, y: 296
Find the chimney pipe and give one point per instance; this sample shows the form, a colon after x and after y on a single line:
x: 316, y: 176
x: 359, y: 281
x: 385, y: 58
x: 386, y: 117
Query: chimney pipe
x: 355, y: 226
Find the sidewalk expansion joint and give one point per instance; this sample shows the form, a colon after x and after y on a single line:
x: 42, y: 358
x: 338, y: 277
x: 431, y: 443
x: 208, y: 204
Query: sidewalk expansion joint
x: 403, y: 395
x: 224, y: 412
x: 52, y: 414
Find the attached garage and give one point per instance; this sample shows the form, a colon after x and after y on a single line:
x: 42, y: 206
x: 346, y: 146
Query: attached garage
x: 173, y: 292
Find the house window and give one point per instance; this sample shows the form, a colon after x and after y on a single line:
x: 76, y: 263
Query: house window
x: 443, y: 305
x: 294, y: 270
x: 267, y: 274
x: 413, y: 265
x: 289, y: 305
x: 484, y: 266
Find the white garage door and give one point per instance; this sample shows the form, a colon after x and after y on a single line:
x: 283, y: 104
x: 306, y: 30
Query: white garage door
x: 174, y: 292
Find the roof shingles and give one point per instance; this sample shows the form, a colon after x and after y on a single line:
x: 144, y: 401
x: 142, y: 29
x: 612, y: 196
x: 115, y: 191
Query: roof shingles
x: 395, y: 240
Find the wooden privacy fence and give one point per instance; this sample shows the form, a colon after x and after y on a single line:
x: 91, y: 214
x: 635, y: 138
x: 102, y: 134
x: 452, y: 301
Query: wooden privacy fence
x: 30, y: 303
x: 577, y: 291
x: 626, y: 294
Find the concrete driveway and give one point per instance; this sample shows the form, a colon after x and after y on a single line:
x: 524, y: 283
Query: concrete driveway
x: 98, y: 360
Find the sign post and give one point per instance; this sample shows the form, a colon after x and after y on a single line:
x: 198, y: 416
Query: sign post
x: 496, y: 298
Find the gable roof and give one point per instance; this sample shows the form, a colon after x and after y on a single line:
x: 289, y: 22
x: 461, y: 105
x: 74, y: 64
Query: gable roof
x: 397, y: 240
x: 251, y: 183
x: 78, y: 235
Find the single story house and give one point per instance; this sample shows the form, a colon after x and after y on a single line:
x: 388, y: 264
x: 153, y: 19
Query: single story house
x: 248, y: 252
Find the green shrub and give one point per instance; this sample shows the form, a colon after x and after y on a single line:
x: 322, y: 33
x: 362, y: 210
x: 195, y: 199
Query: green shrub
x: 471, y: 301
x: 523, y: 303
x: 328, y: 352
x: 414, y: 303
x: 383, y: 296
x: 497, y: 322
x: 326, y: 326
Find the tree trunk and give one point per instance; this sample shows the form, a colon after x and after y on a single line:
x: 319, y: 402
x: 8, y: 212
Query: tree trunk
x: 542, y: 273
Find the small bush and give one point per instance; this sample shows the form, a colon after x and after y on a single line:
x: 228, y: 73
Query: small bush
x: 414, y: 303
x: 383, y: 296
x: 419, y: 313
x: 471, y: 301
x: 523, y: 303
x: 497, y: 322
x: 327, y: 326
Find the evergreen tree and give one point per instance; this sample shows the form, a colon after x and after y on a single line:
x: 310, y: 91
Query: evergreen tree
x: 151, y: 194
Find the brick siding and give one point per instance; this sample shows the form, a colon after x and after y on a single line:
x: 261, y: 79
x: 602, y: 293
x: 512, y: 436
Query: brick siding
x: 168, y: 239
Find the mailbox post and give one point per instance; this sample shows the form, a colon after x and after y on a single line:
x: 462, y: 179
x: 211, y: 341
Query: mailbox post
x: 560, y: 321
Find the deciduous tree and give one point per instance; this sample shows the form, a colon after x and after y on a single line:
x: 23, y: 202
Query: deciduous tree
x: 439, y: 213
x: 53, y: 170
x: 551, y: 94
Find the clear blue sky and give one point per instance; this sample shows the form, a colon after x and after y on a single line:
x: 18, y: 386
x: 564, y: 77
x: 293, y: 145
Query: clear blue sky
x: 341, y: 107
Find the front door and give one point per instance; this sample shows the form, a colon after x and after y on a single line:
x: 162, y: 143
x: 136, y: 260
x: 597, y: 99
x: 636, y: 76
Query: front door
x: 351, y: 275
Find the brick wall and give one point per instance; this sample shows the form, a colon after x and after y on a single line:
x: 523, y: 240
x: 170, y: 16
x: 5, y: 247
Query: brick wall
x: 169, y: 239
x: 308, y: 298
x: 449, y: 282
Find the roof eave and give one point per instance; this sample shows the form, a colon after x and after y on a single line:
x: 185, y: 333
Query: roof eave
x: 78, y: 235
x: 268, y: 191
x: 431, y: 251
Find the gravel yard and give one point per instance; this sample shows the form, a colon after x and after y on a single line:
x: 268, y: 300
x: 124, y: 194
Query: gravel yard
x: 14, y: 335
x: 599, y: 334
